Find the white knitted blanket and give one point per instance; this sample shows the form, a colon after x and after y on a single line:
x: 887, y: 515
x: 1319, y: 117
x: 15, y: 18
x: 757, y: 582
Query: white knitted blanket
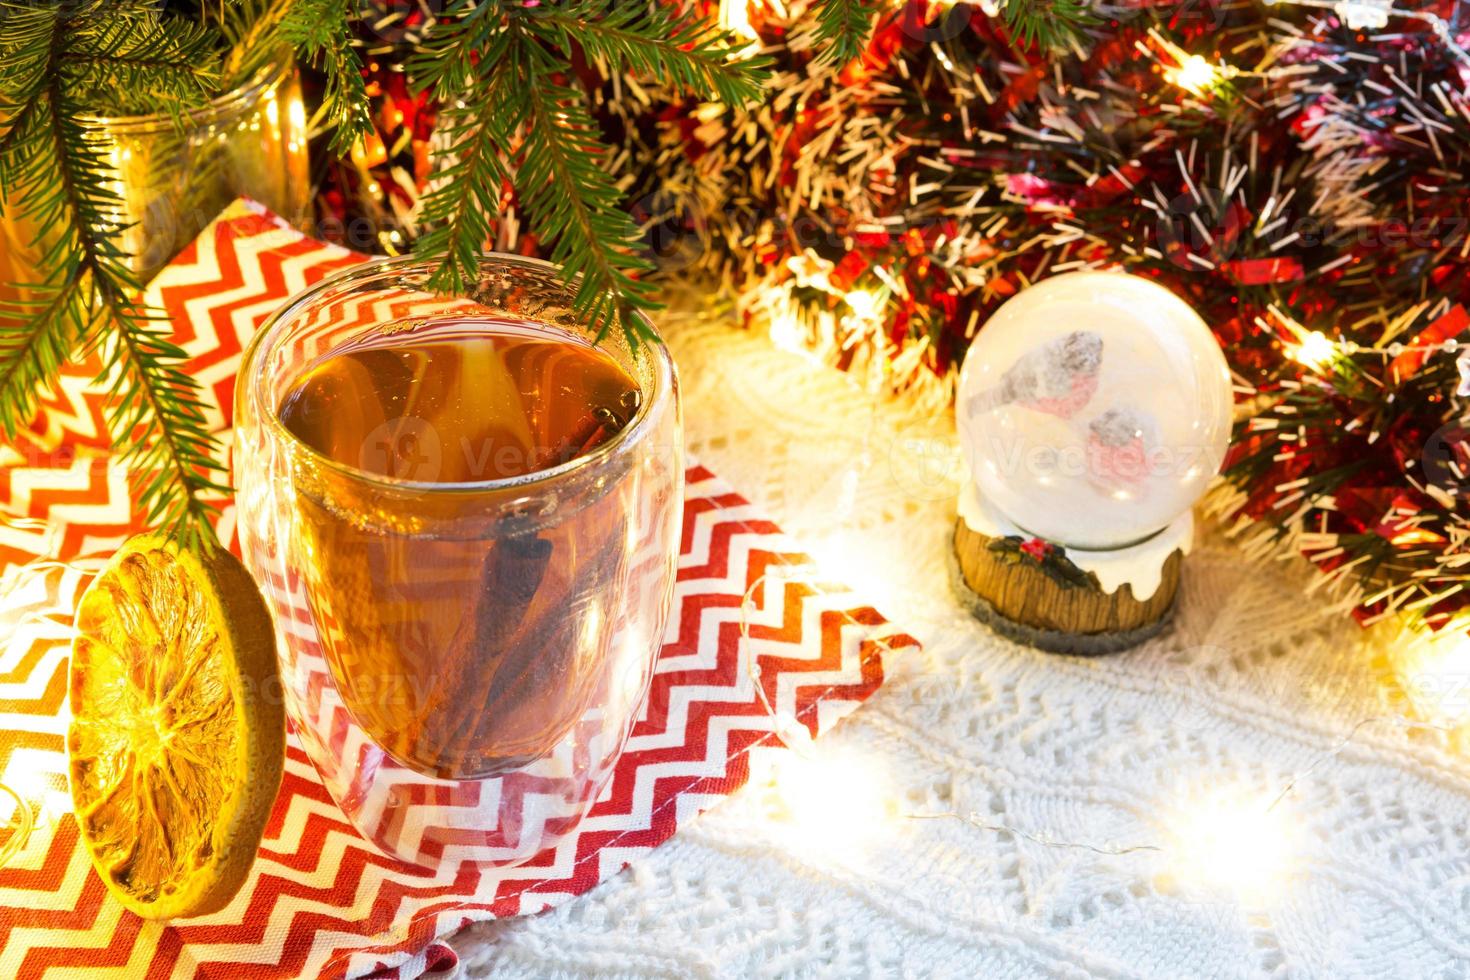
x: 1133, y: 793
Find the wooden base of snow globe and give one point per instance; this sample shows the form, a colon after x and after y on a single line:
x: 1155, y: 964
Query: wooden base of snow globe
x: 1067, y: 601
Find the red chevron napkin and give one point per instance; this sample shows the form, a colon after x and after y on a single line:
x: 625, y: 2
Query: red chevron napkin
x: 320, y: 900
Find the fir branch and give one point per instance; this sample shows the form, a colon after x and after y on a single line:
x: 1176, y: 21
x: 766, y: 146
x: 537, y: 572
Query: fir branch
x: 1048, y: 24
x: 58, y: 179
x: 155, y: 405
x: 253, y: 30
x: 135, y: 62
x: 25, y: 56
x: 677, y: 48
x: 465, y: 198
x: 844, y: 25
x: 37, y: 332
x: 448, y: 63
x: 500, y: 70
x: 319, y: 30
x: 573, y: 203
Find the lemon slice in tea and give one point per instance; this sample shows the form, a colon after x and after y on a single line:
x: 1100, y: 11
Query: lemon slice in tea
x: 177, y: 730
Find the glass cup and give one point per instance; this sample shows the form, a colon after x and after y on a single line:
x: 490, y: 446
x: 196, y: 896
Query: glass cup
x: 463, y: 662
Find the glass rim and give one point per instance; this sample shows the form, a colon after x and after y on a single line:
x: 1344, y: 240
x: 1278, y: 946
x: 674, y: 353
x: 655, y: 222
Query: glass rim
x: 271, y: 74
x: 254, y: 379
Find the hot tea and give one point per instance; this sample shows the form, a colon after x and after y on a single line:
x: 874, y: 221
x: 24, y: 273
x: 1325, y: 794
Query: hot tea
x: 460, y: 400
x: 463, y: 653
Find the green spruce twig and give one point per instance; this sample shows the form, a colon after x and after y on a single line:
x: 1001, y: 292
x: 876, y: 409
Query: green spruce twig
x: 514, y: 118
x: 61, y: 64
x: 461, y: 209
x: 573, y: 203
x: 844, y: 25
x: 320, y: 31
x: 1047, y: 23
x: 679, y: 50
x: 58, y: 179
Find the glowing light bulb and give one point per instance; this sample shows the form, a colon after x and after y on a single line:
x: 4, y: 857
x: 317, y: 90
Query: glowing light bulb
x: 735, y: 18
x: 1415, y: 536
x: 369, y: 152
x: 296, y: 116
x: 790, y: 328
x: 1432, y: 668
x: 1316, y: 350
x: 38, y: 777
x: 832, y: 803
x: 1195, y: 75
x: 786, y: 332
x: 1364, y: 15
x: 1233, y: 839
x: 865, y: 305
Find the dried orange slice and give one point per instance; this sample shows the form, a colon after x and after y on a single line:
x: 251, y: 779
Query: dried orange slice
x: 177, y: 730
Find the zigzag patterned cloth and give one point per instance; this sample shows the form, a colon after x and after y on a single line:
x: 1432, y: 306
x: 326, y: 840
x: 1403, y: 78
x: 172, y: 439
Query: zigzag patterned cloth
x: 320, y: 900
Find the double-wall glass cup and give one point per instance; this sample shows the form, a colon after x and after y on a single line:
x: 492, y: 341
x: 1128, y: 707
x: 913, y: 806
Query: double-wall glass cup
x: 462, y: 659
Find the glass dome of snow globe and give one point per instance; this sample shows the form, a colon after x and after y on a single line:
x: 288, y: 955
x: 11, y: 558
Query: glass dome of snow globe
x: 1094, y: 409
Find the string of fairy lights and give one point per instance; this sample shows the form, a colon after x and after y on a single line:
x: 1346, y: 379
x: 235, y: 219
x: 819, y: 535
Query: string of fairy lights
x: 1236, y: 837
